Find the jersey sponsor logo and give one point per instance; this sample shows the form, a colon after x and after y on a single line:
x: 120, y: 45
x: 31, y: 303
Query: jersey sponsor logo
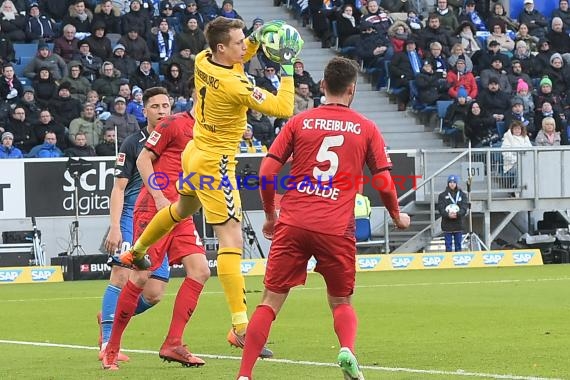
x: 9, y: 275
x: 42, y: 274
x: 121, y: 158
x: 402, y: 262
x: 432, y: 261
x: 153, y: 138
x: 462, y: 260
x: 369, y: 263
x: 493, y: 258
x: 522, y: 258
x: 258, y: 95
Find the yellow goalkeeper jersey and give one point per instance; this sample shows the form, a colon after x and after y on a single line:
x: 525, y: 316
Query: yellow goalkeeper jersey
x: 224, y: 95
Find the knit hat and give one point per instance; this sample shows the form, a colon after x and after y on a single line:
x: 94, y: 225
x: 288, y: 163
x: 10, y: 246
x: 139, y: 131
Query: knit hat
x: 228, y: 2
x: 64, y: 86
x: 7, y: 134
x: 517, y: 100
x: 460, y: 58
x: 494, y: 43
x: 545, y: 81
x: 257, y: 20
x: 554, y: 56
x: 119, y: 46
x: 120, y: 99
x: 462, y: 92
x: 29, y: 89
x: 453, y: 178
x: 136, y: 90
x: 521, y: 85
x: 42, y: 45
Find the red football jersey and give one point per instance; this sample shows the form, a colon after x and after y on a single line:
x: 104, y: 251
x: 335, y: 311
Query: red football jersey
x: 167, y: 141
x: 330, y: 145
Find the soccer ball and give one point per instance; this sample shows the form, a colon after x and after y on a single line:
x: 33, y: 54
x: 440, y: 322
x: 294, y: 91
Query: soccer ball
x: 452, y: 208
x: 271, y: 42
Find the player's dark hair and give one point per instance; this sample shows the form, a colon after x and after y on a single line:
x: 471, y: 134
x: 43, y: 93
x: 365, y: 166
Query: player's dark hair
x: 340, y: 73
x: 218, y: 30
x: 153, y: 91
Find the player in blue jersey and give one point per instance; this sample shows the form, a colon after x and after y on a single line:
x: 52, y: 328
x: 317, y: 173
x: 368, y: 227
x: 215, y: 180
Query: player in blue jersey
x: 125, y: 191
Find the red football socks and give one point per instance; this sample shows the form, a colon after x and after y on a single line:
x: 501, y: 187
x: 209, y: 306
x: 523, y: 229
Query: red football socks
x: 345, y: 324
x: 184, y: 305
x: 126, y: 306
x: 256, y: 337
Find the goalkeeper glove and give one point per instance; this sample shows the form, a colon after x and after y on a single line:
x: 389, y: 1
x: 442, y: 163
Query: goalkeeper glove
x: 290, y: 44
x: 271, y: 26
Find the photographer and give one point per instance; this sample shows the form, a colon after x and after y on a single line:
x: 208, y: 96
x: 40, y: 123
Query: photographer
x: 452, y: 206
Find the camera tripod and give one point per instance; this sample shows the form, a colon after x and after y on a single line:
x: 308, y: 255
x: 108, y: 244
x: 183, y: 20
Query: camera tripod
x: 250, y: 241
x: 76, y: 168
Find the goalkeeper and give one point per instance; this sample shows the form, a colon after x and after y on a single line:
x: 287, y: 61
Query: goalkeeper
x: 452, y: 206
x: 224, y: 94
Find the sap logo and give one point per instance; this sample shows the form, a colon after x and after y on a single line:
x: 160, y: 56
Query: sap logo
x: 9, y: 275
x: 522, y: 258
x: 42, y: 275
x: 247, y: 266
x: 402, y: 262
x: 462, y: 260
x: 369, y: 262
x: 311, y: 264
x: 492, y: 258
x: 432, y: 261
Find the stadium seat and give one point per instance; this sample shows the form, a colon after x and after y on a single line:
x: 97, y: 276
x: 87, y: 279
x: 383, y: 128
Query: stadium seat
x: 25, y: 81
x: 156, y: 68
x: 25, y: 50
x: 20, y: 65
x: 442, y: 106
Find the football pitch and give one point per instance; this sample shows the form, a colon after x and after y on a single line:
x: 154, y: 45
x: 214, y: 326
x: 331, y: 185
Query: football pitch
x: 488, y: 323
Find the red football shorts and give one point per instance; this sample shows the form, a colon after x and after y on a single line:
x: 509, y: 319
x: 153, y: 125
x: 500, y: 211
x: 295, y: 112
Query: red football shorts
x: 291, y: 249
x: 182, y: 241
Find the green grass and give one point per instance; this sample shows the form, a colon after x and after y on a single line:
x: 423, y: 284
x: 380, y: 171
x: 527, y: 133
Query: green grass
x: 489, y: 321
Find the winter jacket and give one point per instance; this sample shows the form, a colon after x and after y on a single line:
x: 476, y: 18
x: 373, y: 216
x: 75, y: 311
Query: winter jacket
x: 447, y: 198
x: 45, y: 150
x: 11, y: 152
x: 54, y: 63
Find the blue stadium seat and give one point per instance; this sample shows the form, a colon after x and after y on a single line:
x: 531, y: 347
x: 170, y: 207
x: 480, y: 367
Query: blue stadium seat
x: 442, y: 106
x: 156, y: 67
x: 21, y: 64
x: 25, y: 50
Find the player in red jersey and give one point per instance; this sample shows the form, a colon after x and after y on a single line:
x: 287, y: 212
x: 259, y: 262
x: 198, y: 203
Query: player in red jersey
x: 327, y: 144
x: 159, y: 165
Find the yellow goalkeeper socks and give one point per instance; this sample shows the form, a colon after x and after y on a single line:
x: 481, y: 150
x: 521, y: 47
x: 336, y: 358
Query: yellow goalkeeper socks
x: 159, y: 226
x: 229, y: 273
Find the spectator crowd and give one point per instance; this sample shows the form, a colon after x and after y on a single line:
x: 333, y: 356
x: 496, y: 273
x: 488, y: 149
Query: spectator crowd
x: 80, y: 94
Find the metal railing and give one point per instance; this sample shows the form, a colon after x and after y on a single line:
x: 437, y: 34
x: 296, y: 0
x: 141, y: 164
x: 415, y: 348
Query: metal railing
x: 534, y: 174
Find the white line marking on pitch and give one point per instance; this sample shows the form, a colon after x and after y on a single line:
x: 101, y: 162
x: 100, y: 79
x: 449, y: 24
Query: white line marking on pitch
x: 322, y: 288
x: 297, y: 362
